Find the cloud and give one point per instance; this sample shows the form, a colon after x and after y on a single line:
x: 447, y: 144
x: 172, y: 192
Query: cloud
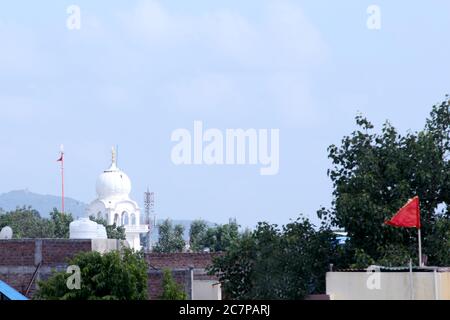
x: 209, y: 56
x: 209, y: 59
x: 296, y: 41
x: 283, y: 38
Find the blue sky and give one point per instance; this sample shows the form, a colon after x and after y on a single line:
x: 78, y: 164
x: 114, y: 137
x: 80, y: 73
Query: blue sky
x: 138, y: 70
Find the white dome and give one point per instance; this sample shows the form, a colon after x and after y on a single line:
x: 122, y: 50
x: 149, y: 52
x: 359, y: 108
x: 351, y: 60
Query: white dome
x: 83, y: 228
x: 113, y: 183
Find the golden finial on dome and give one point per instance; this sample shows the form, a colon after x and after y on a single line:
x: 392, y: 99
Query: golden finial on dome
x: 113, y: 155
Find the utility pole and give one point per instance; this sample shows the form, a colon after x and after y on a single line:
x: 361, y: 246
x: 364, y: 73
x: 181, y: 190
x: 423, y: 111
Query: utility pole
x: 149, y: 203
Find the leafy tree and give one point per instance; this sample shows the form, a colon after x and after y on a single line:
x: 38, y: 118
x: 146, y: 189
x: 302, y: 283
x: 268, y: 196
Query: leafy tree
x: 270, y: 263
x: 216, y: 239
x: 27, y: 223
x: 61, y: 222
x: 197, y: 233
x: 178, y: 242
x: 171, y: 289
x: 438, y: 244
x: 112, y: 276
x: 220, y: 237
x: 361, y: 260
x: 112, y: 231
x: 170, y: 238
x: 374, y: 174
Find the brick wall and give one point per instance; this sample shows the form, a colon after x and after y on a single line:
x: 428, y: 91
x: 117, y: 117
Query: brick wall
x: 58, y: 252
x: 19, y: 259
x: 17, y: 252
x: 51, y: 252
x: 155, y: 277
x: 179, y: 260
x: 181, y: 265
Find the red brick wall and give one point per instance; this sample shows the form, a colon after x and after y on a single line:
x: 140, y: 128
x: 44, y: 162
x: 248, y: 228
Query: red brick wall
x: 17, y: 252
x: 19, y: 259
x: 180, y: 263
x: 54, y: 251
x: 58, y: 252
x: 155, y: 288
x: 179, y: 260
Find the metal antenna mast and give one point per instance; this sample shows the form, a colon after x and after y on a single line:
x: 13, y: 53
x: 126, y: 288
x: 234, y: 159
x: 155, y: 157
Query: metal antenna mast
x: 149, y: 203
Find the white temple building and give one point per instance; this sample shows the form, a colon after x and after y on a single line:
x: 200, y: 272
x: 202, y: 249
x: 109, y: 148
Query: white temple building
x: 113, y: 204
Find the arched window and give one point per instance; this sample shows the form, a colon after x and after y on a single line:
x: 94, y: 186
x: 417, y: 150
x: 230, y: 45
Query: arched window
x: 133, y: 219
x: 99, y: 215
x: 125, y: 220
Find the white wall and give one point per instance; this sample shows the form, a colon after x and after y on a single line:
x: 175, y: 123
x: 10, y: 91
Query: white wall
x: 206, y: 290
x: 392, y: 286
x: 107, y: 245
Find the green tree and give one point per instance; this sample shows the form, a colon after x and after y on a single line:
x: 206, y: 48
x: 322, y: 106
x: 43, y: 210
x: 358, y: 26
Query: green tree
x: 197, y: 234
x: 112, y: 276
x: 171, y: 289
x: 438, y: 244
x: 27, y: 223
x: 170, y: 238
x: 112, y: 231
x: 270, y: 263
x: 374, y: 174
x: 216, y: 239
x: 61, y: 222
x: 220, y: 237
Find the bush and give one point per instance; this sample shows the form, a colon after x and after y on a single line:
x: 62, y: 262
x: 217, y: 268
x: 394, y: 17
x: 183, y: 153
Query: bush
x: 171, y: 289
x: 112, y: 276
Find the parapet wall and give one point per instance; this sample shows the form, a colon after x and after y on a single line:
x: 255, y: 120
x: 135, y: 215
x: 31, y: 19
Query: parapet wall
x: 19, y: 260
x: 388, y: 285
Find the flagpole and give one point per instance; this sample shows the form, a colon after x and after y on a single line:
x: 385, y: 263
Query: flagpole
x: 419, y: 234
x: 420, y: 247
x: 62, y: 179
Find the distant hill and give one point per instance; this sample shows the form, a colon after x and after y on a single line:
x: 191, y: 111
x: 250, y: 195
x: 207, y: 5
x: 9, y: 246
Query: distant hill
x: 43, y: 203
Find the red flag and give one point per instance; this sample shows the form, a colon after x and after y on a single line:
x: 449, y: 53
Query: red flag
x: 408, y: 216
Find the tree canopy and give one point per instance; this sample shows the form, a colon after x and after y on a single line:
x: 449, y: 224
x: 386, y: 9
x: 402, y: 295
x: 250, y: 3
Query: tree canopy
x: 215, y: 239
x: 197, y: 233
x: 116, y: 275
x: 374, y: 174
x: 61, y: 222
x: 170, y: 238
x: 171, y: 289
x: 27, y: 223
x: 274, y: 263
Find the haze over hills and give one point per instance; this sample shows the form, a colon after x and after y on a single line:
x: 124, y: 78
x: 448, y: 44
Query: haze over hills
x: 45, y: 203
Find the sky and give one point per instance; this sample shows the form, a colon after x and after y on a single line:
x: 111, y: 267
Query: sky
x: 136, y: 71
